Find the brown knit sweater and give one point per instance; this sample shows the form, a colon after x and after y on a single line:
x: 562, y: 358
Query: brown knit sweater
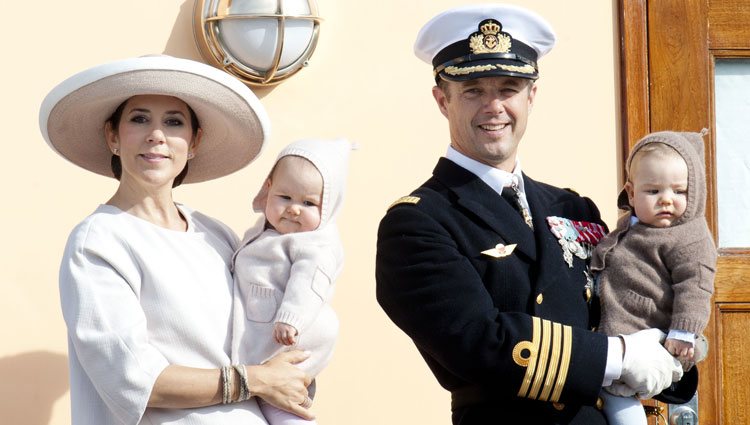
x: 662, y: 278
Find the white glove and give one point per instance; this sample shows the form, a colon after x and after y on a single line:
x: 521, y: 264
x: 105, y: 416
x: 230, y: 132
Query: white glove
x: 619, y: 389
x: 647, y: 367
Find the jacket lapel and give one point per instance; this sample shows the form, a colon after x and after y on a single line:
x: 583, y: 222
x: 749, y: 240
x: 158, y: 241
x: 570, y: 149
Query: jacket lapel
x: 474, y: 195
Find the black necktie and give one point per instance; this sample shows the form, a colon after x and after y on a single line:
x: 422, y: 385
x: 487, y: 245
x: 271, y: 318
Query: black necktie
x: 511, y: 194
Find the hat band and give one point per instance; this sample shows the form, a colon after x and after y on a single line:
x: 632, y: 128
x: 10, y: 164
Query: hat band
x: 471, y: 58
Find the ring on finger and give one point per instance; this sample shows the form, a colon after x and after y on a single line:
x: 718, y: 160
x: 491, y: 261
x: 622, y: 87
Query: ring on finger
x: 307, y: 403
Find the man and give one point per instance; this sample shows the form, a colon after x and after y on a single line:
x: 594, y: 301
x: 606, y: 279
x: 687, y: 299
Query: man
x: 486, y: 269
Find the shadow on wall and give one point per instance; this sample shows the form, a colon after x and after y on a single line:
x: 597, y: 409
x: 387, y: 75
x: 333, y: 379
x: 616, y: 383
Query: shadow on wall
x: 30, y: 384
x: 181, y: 42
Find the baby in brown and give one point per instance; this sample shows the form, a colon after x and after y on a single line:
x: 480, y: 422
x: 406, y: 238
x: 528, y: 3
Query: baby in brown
x: 656, y: 269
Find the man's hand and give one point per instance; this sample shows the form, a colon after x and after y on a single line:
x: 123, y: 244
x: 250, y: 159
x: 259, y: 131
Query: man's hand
x: 647, y: 367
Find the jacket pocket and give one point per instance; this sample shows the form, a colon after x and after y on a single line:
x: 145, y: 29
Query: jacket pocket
x: 638, y: 305
x: 260, y: 303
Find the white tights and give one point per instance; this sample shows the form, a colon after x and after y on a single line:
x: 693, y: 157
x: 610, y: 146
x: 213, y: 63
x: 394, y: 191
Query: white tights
x: 623, y: 410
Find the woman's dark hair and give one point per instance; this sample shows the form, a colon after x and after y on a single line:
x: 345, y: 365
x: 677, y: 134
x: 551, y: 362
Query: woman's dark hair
x: 114, y: 122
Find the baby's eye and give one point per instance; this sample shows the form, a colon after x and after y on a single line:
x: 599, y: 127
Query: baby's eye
x: 310, y: 204
x: 285, y: 197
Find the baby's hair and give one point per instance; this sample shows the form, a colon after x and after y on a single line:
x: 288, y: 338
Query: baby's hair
x: 657, y: 149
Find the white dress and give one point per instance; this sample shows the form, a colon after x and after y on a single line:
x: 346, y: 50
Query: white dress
x: 136, y: 298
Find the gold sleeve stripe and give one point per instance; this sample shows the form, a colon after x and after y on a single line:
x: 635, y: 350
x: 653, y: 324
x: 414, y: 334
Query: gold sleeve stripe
x: 554, y: 361
x: 565, y: 363
x: 528, y: 362
x: 541, y: 368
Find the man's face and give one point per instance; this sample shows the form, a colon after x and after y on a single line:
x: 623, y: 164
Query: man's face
x: 487, y: 117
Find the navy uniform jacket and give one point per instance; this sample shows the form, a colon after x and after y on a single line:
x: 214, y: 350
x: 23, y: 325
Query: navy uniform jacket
x: 509, y: 337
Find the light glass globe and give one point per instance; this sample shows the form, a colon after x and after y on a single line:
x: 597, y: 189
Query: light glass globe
x: 260, y: 41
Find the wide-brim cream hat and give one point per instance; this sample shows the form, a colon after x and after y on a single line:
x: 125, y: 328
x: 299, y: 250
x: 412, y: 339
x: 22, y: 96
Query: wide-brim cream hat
x: 234, y: 123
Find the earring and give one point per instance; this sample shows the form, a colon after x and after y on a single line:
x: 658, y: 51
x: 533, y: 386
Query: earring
x: 190, y: 155
x: 116, y: 151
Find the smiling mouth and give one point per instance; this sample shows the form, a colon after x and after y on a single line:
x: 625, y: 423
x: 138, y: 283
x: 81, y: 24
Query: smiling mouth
x: 153, y: 156
x: 492, y: 127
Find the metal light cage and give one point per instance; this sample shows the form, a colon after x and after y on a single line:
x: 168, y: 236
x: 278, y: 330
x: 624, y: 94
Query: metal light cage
x: 210, y: 16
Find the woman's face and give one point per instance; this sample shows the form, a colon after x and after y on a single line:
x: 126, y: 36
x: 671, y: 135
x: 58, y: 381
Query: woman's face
x: 154, y: 140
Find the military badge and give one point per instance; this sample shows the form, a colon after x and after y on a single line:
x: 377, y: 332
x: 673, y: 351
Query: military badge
x: 500, y: 250
x: 575, y: 237
x: 489, y: 38
x: 405, y: 200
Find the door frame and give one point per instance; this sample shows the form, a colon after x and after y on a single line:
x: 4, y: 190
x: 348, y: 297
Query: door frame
x: 663, y: 44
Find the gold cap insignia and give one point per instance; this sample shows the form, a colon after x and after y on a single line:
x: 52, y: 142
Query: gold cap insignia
x: 500, y: 250
x: 489, y: 38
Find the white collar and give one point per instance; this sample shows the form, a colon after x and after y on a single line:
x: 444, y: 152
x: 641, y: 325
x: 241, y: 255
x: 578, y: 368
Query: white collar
x: 495, y: 178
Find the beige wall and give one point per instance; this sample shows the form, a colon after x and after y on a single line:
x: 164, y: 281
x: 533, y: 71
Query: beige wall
x: 362, y: 83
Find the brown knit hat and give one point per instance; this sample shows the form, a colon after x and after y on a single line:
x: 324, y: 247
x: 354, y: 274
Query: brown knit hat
x: 690, y: 147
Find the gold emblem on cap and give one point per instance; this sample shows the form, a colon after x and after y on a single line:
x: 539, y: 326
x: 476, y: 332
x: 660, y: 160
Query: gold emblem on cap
x: 489, y: 38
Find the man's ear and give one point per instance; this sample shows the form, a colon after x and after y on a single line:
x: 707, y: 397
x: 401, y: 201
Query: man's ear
x: 532, y: 96
x: 441, y: 97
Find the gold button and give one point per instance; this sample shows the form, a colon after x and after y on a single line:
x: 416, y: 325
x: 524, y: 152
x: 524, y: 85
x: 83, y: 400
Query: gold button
x: 599, y: 403
x: 588, y: 294
x: 558, y: 406
x: 539, y: 298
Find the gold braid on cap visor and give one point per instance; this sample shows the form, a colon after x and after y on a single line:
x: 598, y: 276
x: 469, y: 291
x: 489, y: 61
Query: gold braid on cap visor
x: 454, y: 70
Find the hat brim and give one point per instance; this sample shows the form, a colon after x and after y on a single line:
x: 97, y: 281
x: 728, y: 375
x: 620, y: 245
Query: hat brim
x: 234, y: 123
x: 489, y: 68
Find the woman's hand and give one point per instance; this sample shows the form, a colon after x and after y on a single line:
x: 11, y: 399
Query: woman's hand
x: 281, y: 383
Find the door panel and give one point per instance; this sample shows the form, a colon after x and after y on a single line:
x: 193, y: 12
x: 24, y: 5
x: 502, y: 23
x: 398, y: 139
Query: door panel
x: 733, y: 324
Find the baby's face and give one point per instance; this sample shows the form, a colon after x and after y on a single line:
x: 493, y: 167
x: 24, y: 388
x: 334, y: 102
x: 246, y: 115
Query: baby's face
x: 657, y: 189
x: 294, y: 196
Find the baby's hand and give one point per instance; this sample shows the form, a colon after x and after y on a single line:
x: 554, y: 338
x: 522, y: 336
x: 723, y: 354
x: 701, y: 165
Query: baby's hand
x: 284, y: 334
x: 683, y: 350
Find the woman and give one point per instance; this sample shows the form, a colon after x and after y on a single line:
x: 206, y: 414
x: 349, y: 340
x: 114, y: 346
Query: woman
x: 145, y: 283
